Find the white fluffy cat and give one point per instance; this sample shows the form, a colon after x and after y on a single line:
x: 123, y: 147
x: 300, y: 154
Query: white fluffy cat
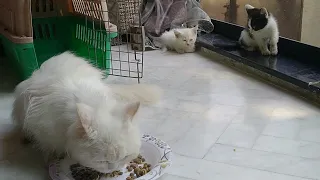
x: 262, y: 31
x: 181, y: 40
x: 65, y: 107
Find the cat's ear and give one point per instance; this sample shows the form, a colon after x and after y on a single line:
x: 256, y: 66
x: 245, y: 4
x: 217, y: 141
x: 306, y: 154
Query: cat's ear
x: 195, y: 29
x: 131, y: 110
x: 264, y: 11
x: 177, y: 33
x: 86, y: 116
x: 248, y: 7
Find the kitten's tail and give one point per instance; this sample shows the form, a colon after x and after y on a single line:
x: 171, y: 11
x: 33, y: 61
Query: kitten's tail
x: 147, y: 94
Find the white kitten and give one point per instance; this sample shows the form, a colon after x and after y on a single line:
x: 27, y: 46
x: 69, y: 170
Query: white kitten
x: 262, y: 31
x: 66, y: 108
x: 181, y: 40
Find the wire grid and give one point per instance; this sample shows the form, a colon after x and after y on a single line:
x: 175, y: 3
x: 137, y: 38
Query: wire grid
x: 43, y: 8
x: 125, y: 61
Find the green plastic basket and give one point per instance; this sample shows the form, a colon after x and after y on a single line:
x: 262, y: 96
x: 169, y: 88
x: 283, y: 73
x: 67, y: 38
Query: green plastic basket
x: 54, y: 35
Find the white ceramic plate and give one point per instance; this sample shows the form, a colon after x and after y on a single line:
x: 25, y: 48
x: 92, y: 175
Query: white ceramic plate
x: 155, y: 151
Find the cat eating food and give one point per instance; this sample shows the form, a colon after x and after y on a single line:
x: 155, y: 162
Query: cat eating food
x: 261, y: 32
x: 180, y: 40
x: 66, y: 108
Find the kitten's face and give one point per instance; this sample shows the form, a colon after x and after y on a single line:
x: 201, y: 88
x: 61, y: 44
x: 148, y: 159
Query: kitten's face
x: 257, y: 18
x: 187, y: 38
x: 108, y: 141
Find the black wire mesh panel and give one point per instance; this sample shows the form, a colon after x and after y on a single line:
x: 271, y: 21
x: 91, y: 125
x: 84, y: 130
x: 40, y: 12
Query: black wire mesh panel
x: 123, y: 18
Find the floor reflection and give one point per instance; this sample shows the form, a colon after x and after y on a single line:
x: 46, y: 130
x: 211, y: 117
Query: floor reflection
x: 289, y: 13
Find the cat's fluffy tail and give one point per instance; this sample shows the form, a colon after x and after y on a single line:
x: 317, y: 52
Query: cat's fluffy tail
x: 147, y: 94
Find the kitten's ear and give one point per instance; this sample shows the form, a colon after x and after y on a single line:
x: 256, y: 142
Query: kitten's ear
x: 195, y: 29
x: 177, y: 33
x: 248, y: 7
x: 131, y: 110
x: 264, y: 11
x: 85, y: 114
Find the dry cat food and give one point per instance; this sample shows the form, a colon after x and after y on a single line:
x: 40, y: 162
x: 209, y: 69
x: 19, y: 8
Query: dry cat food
x: 137, y: 168
x: 113, y: 174
x: 80, y: 172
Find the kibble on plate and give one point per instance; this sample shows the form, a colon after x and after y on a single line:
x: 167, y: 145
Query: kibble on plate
x: 140, y: 168
x: 137, y: 168
x: 79, y: 172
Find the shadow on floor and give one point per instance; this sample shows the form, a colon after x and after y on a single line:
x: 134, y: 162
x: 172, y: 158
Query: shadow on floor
x: 24, y: 164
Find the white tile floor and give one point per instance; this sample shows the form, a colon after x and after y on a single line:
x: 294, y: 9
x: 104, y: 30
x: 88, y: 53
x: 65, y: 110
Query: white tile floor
x: 221, y: 125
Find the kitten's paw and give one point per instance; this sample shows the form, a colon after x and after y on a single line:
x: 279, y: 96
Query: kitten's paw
x: 274, y: 52
x: 180, y: 51
x: 191, y: 50
x: 164, y: 49
x: 266, y: 52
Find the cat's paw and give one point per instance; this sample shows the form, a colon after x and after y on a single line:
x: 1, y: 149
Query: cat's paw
x: 180, y: 51
x: 190, y: 50
x: 274, y: 50
x: 164, y: 49
x: 266, y: 52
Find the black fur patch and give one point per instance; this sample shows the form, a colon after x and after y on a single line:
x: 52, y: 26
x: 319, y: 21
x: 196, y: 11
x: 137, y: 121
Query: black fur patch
x: 258, y: 18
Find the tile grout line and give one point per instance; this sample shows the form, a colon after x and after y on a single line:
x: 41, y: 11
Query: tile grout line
x: 220, y: 135
x: 232, y: 146
x: 262, y: 170
x: 256, y: 139
x: 216, y: 140
x: 248, y: 167
x: 278, y: 137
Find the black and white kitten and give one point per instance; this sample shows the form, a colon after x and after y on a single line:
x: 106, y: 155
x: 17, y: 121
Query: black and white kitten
x: 261, y: 32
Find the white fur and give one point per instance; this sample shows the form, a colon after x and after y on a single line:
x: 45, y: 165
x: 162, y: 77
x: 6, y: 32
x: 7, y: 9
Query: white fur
x: 181, y: 40
x: 269, y: 35
x: 248, y: 6
x: 66, y: 108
